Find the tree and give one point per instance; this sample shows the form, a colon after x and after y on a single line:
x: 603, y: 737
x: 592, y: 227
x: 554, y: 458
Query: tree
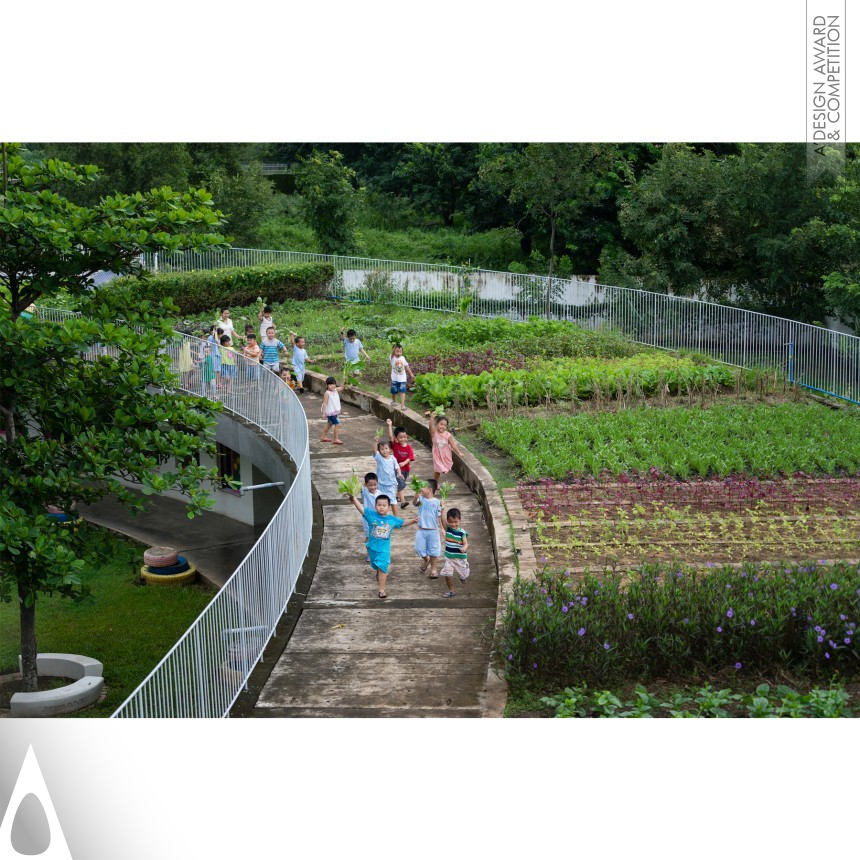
x: 329, y: 200
x: 75, y: 429
x: 554, y: 181
x: 247, y: 198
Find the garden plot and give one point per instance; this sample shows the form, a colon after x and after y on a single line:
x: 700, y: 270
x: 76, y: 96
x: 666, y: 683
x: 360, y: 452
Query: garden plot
x: 597, y: 524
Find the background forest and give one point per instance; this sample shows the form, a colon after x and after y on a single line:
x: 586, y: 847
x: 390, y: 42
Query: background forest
x: 738, y: 223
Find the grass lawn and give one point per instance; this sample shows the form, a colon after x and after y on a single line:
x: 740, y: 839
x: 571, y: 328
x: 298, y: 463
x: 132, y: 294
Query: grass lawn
x: 127, y: 626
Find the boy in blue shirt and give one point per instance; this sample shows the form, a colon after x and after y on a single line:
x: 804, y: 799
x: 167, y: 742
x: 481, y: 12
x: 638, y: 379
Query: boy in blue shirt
x: 353, y: 348
x: 270, y: 346
x: 300, y: 356
x: 380, y: 521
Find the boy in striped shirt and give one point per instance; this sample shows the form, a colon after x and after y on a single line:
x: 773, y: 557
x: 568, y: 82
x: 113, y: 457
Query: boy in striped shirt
x: 456, y: 550
x: 270, y: 346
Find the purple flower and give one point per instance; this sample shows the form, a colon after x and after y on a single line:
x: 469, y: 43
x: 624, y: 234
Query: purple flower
x: 519, y: 630
x: 543, y: 559
x: 543, y: 591
x: 534, y: 639
x: 826, y: 655
x: 755, y: 579
x: 630, y: 615
x: 686, y: 621
x: 549, y: 601
x: 833, y: 586
x: 847, y: 641
x: 817, y: 629
x: 752, y: 623
x: 534, y: 665
x: 730, y: 613
x: 719, y: 630
x: 841, y: 617
x: 584, y: 601
x: 510, y: 656
x: 564, y: 608
x: 581, y: 631
x: 820, y: 638
x: 605, y: 646
x: 738, y: 666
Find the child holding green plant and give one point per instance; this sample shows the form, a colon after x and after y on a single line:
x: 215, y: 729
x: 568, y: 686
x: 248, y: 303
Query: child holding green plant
x: 380, y: 521
x: 387, y: 469
x: 456, y: 551
x: 404, y: 455
x: 353, y: 348
x: 427, y: 543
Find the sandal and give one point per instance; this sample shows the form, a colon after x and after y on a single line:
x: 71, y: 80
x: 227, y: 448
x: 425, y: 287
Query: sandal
x: 337, y: 442
x: 448, y: 594
x: 433, y: 576
x: 382, y: 594
x: 324, y: 439
x: 424, y: 566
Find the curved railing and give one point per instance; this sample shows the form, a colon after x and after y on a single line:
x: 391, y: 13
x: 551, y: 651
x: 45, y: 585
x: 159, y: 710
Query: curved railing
x: 206, y: 670
x: 810, y: 356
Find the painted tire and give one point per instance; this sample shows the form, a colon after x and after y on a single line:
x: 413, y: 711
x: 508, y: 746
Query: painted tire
x: 160, y: 556
x: 181, y: 566
x: 176, y: 579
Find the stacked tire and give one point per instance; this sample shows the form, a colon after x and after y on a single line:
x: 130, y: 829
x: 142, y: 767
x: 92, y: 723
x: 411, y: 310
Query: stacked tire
x: 162, y: 565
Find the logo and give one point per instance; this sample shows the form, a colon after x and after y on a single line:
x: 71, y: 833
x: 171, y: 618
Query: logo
x: 30, y: 826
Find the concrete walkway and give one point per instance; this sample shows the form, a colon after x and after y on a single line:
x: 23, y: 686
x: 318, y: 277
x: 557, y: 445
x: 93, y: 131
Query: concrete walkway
x: 215, y: 543
x: 352, y: 654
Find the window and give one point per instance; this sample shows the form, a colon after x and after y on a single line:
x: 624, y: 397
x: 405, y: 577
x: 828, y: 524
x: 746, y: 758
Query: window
x: 228, y: 467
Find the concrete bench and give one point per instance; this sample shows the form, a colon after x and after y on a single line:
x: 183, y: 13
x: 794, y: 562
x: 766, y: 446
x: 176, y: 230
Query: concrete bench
x: 86, y: 688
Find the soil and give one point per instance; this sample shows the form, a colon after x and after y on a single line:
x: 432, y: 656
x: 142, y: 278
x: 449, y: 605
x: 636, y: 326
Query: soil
x: 11, y: 684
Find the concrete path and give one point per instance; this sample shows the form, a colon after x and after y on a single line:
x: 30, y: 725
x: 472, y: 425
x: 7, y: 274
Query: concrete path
x: 215, y: 543
x: 352, y: 654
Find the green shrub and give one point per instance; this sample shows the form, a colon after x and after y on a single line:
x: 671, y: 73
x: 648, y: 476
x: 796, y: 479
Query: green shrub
x: 667, y: 621
x: 199, y: 291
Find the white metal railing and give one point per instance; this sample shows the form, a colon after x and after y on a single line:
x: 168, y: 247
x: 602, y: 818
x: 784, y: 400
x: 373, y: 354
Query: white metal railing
x: 204, y: 673
x: 813, y: 357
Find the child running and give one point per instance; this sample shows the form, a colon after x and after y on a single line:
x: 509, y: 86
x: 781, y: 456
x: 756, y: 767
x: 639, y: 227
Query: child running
x: 300, y: 357
x: 380, y: 521
x: 270, y: 346
x: 352, y: 347
x: 427, y: 543
x: 387, y: 470
x: 404, y: 455
x: 331, y: 409
x: 443, y: 442
x: 456, y: 551
x: 399, y: 368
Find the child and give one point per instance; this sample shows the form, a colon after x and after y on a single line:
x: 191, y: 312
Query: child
x: 266, y: 320
x: 331, y: 409
x: 456, y: 549
x: 225, y: 323
x: 270, y: 347
x: 228, y: 361
x: 442, y: 442
x: 253, y: 353
x: 380, y: 521
x: 399, y: 369
x: 427, y: 543
x: 215, y: 351
x: 352, y: 347
x: 204, y: 361
x: 300, y: 356
x: 404, y: 455
x: 387, y: 469
x: 369, y: 494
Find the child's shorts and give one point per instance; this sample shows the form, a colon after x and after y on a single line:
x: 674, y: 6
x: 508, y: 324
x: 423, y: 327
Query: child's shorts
x: 460, y: 566
x: 300, y: 373
x: 379, y: 560
x: 398, y: 388
x: 228, y: 370
x: 252, y: 371
x: 333, y: 420
x: 401, y: 483
x: 273, y: 366
x: 208, y: 370
x: 427, y: 543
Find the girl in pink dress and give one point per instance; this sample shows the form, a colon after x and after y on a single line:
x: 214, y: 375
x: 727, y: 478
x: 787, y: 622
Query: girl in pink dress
x: 442, y: 442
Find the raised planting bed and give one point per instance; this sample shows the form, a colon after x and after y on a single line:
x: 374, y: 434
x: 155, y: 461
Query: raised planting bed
x: 595, y: 524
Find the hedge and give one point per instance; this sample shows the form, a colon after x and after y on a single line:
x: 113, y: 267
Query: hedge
x: 201, y: 291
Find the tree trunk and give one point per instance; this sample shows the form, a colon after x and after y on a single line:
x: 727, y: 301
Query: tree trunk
x: 28, y: 642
